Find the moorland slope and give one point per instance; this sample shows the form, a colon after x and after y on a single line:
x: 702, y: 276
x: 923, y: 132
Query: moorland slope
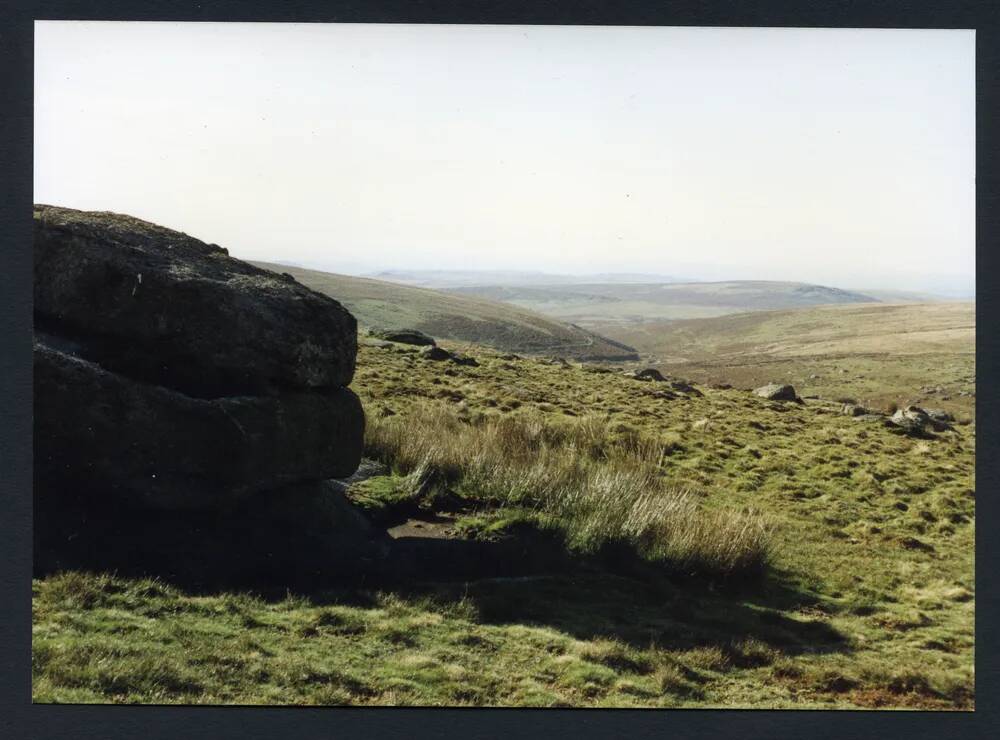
x: 385, y: 305
x: 867, y: 599
x: 876, y: 353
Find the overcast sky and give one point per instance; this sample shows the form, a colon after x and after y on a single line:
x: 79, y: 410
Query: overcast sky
x: 843, y: 157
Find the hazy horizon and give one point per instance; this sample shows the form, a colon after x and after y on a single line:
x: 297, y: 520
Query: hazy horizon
x: 836, y: 156
x: 622, y: 277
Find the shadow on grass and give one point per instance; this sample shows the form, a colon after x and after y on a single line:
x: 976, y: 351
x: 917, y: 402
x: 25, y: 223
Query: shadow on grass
x: 668, y: 613
x: 527, y: 578
x: 613, y: 594
x: 640, y: 605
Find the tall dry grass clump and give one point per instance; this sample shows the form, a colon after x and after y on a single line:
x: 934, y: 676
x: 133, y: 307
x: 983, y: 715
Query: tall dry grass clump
x: 596, y: 486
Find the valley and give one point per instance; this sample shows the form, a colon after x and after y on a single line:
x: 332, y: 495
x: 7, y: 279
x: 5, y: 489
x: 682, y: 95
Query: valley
x: 385, y: 305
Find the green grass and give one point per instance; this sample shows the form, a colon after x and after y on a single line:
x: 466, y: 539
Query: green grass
x: 868, y: 600
x: 591, y: 484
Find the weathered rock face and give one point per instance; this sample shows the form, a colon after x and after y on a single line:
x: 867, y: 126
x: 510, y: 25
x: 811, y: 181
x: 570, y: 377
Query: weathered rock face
x: 185, y: 399
x: 171, y: 451
x: 162, y: 307
x: 776, y: 392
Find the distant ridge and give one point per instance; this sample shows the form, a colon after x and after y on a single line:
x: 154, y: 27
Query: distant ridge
x: 443, y: 279
x: 590, y: 304
x: 382, y: 304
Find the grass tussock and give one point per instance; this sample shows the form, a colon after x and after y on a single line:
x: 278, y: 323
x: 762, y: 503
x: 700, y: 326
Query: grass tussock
x: 596, y: 484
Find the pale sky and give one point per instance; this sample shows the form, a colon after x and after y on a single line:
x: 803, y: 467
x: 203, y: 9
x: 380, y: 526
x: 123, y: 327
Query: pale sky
x: 842, y: 157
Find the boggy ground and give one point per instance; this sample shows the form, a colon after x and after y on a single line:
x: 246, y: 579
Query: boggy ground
x: 867, y: 599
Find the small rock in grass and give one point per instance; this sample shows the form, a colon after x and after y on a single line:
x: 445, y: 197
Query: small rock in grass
x: 649, y: 374
x: 778, y: 392
x: 403, y: 336
x: 433, y: 352
x: 915, y: 421
x: 853, y: 409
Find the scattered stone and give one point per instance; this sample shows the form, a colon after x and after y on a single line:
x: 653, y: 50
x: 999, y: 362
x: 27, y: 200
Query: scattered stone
x: 778, y: 392
x: 649, y: 374
x: 438, y: 354
x: 435, y: 353
x: 914, y: 420
x: 684, y: 387
x: 939, y: 416
x: 853, y: 409
x: 403, y: 336
x: 722, y: 386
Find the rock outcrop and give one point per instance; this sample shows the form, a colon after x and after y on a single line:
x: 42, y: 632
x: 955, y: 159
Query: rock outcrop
x: 167, y: 450
x: 183, y: 399
x: 403, y: 336
x: 915, y: 421
x: 162, y: 307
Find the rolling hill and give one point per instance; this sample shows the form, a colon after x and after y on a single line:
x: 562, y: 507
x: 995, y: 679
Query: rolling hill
x: 634, y: 303
x: 381, y: 304
x: 884, y: 353
x: 443, y: 279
